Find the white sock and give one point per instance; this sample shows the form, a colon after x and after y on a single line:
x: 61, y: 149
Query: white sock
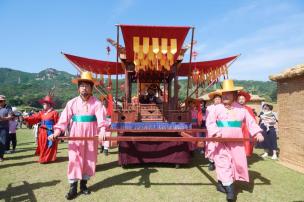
x: 71, y: 181
x: 227, y: 183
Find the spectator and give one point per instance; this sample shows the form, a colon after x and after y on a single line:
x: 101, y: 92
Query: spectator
x: 12, y: 132
x: 5, y: 116
x: 268, y: 121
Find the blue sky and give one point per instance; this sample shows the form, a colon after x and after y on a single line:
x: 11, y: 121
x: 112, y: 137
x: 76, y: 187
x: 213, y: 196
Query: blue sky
x: 269, y: 34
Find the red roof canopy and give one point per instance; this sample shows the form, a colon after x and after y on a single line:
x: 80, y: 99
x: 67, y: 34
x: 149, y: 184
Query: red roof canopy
x: 205, y: 66
x: 95, y: 66
x: 129, y: 31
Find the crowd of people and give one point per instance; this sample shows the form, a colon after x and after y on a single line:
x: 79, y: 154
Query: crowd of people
x: 84, y: 116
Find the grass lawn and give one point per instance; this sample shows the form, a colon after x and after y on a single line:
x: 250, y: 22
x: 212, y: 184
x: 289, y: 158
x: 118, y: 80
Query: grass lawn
x: 23, y: 179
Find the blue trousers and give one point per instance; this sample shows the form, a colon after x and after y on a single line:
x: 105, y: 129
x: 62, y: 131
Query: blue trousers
x: 4, y: 135
x: 270, y: 138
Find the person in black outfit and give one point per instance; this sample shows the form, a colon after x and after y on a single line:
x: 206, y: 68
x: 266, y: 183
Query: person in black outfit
x: 5, y: 116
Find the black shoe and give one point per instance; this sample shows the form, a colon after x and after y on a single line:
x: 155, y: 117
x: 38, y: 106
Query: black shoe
x: 230, y: 192
x: 211, y: 166
x: 101, y: 149
x: 220, y: 187
x: 106, y: 152
x: 72, y: 192
x: 83, y: 187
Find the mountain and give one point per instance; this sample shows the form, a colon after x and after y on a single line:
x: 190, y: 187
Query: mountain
x: 23, y: 88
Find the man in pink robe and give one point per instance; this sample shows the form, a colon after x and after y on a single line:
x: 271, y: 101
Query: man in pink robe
x: 216, y: 97
x: 88, y: 120
x: 225, y: 120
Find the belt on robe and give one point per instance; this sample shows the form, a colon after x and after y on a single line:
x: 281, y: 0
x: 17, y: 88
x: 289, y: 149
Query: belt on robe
x: 84, y: 118
x: 232, y: 124
x: 47, y: 122
x: 49, y: 127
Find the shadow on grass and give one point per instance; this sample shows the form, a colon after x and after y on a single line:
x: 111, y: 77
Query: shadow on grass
x: 17, y: 164
x: 249, y: 187
x: 61, y: 159
x: 254, y: 158
x: 26, y: 143
x: 24, y: 192
x: 106, y: 166
x: 26, y: 149
x: 199, y: 162
x: 64, y: 148
x: 150, y: 165
x: 120, y: 179
x: 113, y: 152
x: 144, y: 174
x: 20, y: 157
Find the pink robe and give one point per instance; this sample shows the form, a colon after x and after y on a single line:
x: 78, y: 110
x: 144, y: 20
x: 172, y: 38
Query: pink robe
x: 230, y: 157
x: 82, y: 154
x: 209, y: 146
x: 106, y: 144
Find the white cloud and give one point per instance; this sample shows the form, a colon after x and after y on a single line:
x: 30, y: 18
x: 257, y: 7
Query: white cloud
x: 266, y: 51
x: 260, y: 65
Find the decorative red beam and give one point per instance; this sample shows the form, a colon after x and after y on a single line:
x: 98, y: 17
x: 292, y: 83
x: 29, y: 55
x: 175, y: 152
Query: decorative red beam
x: 158, y: 139
x: 194, y: 130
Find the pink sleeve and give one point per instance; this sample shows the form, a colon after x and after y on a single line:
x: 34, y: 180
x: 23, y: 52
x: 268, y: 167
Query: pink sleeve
x: 211, y: 123
x: 100, y: 115
x: 65, y: 118
x: 251, y: 124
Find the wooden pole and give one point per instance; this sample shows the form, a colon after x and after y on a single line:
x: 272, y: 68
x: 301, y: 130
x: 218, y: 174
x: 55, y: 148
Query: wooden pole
x: 175, y: 87
x: 126, y: 88
x: 138, y: 97
x: 157, y: 139
x: 116, y: 65
x: 164, y: 97
x: 190, y: 63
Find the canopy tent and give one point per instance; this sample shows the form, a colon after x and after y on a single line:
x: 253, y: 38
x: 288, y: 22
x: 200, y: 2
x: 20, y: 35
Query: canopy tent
x: 173, y: 32
x: 149, y: 54
x: 204, y: 66
x: 95, y: 66
x: 153, y: 47
x: 109, y: 68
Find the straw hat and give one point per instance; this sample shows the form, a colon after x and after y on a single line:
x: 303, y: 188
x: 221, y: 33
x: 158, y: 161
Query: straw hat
x: 214, y: 93
x: 245, y: 94
x: 47, y: 99
x: 228, y: 86
x: 87, y: 77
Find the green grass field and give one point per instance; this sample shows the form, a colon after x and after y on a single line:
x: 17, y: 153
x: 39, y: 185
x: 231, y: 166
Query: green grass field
x: 23, y: 179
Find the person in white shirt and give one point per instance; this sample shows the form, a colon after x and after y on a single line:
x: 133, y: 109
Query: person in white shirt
x: 12, y: 132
